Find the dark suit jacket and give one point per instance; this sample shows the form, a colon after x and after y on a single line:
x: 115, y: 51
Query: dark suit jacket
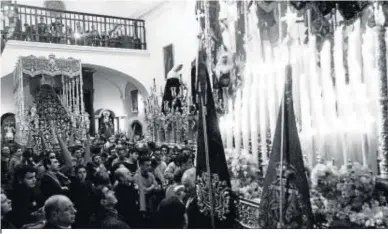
x: 128, y: 204
x: 50, y: 186
x: 107, y: 219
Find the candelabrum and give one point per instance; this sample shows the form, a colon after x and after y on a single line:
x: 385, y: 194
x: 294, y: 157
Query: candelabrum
x: 171, y: 125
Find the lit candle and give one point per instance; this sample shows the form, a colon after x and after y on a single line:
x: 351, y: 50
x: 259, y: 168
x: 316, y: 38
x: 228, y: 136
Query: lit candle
x: 237, y: 120
x: 229, y: 123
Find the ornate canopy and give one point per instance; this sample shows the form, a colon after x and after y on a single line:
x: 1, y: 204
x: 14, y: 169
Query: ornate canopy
x: 63, y: 108
x: 51, y: 66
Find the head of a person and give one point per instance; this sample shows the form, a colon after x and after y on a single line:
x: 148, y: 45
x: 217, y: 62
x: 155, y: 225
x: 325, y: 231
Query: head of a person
x: 77, y: 153
x: 121, y: 151
x: 171, y: 214
x: 134, y: 153
x: 51, y: 164
x: 6, y: 204
x: 57, y: 148
x: 188, y: 180
x: 51, y: 154
x: 5, y: 151
x: 186, y: 150
x: 81, y: 173
x: 112, y: 139
x: 158, y: 151
x: 97, y: 159
x: 155, y: 161
x: 41, y: 19
x: 145, y: 163
x: 105, y: 197
x: 59, y: 211
x: 123, y: 138
x: 113, y: 151
x: 18, y: 152
x: 123, y: 175
x: 180, y: 192
x: 151, y: 146
x: 186, y: 161
x: 101, y: 178
x: 175, y: 151
x: 25, y: 175
x: 164, y: 149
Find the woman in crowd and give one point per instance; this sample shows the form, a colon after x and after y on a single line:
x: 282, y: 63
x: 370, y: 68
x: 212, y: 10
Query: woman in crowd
x: 26, y: 196
x: 81, y: 194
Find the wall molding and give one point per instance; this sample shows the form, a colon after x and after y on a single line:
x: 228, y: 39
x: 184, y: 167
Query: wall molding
x: 74, y: 48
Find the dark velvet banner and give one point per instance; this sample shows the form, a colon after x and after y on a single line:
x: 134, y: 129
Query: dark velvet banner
x: 285, y: 184
x: 219, y: 188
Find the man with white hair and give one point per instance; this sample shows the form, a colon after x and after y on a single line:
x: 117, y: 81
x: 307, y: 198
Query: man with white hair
x: 188, y: 180
x: 59, y: 212
x: 127, y: 197
x: 196, y: 219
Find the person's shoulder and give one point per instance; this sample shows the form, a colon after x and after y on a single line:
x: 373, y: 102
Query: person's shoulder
x: 37, y: 225
x: 151, y: 175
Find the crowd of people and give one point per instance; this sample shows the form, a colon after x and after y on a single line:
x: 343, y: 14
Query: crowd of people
x: 112, y: 183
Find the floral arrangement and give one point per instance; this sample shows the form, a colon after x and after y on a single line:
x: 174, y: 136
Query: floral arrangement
x: 244, y: 173
x: 344, y: 198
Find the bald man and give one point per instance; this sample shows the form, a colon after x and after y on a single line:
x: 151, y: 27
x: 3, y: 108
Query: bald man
x: 59, y: 212
x: 127, y: 197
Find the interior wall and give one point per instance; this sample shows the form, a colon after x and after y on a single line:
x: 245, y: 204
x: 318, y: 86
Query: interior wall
x: 172, y: 23
x: 108, y: 94
x: 7, y: 99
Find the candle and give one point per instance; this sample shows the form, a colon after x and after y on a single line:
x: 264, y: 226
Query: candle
x: 364, y: 157
x: 230, y: 127
x: 237, y: 121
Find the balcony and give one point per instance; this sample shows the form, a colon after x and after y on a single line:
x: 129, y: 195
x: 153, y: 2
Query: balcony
x: 35, y: 24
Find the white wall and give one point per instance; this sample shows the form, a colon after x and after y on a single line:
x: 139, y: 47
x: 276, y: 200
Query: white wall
x: 7, y: 99
x: 107, y: 95
x: 172, y: 23
x: 132, y: 63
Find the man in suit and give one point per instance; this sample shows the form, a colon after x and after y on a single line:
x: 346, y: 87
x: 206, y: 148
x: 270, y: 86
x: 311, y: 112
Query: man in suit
x: 53, y: 182
x: 106, y: 216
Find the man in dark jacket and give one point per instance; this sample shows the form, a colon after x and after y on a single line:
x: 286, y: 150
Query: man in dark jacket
x: 53, y: 182
x: 127, y: 197
x: 106, y: 216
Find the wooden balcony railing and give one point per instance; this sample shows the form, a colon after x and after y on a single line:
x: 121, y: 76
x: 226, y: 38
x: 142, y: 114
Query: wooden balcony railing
x: 28, y: 23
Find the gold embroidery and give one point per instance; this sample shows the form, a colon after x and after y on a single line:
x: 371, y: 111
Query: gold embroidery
x: 294, y: 208
x: 221, y: 196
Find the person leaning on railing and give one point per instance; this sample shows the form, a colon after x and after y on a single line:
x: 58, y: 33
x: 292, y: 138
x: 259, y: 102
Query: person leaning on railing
x: 42, y: 30
x: 57, y: 30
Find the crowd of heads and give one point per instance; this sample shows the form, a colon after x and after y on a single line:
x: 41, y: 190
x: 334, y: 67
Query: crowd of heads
x: 94, y: 186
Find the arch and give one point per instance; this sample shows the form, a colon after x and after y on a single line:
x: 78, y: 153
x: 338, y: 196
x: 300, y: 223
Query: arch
x: 137, y: 126
x: 136, y: 119
x: 8, y: 126
x: 98, y: 113
x: 139, y: 85
x: 8, y: 115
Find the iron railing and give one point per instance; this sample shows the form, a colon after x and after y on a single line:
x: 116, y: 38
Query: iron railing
x: 28, y: 23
